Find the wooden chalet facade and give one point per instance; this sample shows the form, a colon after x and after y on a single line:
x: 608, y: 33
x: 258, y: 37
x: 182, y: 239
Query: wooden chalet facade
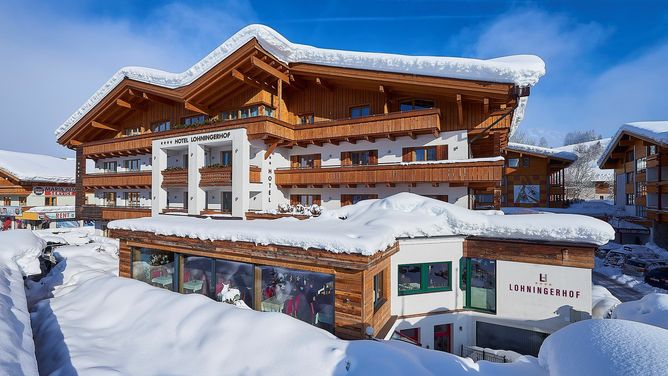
x: 313, y: 133
x: 640, y: 160
x: 534, y: 176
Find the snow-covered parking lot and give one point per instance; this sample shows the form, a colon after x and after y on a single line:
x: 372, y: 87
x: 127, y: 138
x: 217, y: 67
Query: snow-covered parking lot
x: 86, y: 320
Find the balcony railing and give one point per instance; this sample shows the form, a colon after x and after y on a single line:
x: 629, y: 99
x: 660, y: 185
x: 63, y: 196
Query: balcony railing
x: 109, y: 213
x: 117, y: 179
x: 220, y: 176
x: 391, y: 173
x: 175, y: 178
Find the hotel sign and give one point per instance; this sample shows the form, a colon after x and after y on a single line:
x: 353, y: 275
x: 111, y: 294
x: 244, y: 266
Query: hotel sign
x: 196, y: 138
x: 542, y: 287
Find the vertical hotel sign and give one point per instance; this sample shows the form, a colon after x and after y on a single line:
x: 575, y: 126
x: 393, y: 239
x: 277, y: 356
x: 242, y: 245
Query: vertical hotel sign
x: 54, y: 191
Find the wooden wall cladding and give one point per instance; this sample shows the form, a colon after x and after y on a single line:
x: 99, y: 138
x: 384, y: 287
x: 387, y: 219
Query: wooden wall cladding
x: 573, y: 255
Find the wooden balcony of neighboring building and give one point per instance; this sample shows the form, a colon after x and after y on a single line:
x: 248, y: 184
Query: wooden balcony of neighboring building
x: 657, y: 160
x: 131, y: 179
x: 110, y: 213
x: 451, y: 172
x: 172, y: 178
x: 557, y: 190
x: 221, y: 176
x: 657, y: 214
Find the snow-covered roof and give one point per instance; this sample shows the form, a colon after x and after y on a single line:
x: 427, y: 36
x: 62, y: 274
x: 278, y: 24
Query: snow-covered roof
x: 371, y: 226
x: 656, y: 131
x: 600, y: 174
x: 522, y: 70
x: 539, y: 150
x: 37, y: 167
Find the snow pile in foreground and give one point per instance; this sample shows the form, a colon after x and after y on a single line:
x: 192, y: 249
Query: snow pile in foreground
x: 602, y: 302
x: 656, y: 131
x: 652, y: 309
x: 18, y: 256
x: 597, y: 208
x: 38, y: 167
x: 522, y: 70
x: 373, y: 225
x: 606, y: 347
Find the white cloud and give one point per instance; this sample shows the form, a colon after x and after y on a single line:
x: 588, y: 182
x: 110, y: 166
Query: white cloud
x: 53, y: 61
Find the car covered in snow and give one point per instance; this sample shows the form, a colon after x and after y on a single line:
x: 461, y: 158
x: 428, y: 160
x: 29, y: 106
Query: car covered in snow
x: 617, y: 257
x: 657, y: 277
x: 603, y: 250
x: 636, y: 266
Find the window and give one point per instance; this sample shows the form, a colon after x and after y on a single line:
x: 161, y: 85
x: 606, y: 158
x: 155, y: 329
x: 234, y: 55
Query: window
x: 641, y: 211
x: 443, y: 337
x: 424, y: 278
x: 110, y: 166
x: 109, y: 198
x: 50, y: 201
x: 360, y: 111
x: 629, y: 177
x: 226, y: 202
x: 197, y: 277
x: 413, y: 334
x: 153, y: 267
x: 425, y: 153
x: 132, y: 131
x: 268, y: 111
x: 161, y: 126
x: 249, y: 112
x: 378, y: 290
x: 230, y: 115
x: 415, y: 104
x: 226, y: 158
x: 131, y: 198
x: 641, y: 189
x: 641, y: 164
x: 306, y: 119
x: 22, y: 201
x: 184, y: 158
x: 478, y: 280
x: 525, y: 161
x: 307, y: 296
x: 651, y: 150
x: 630, y: 199
x: 194, y: 120
x: 305, y: 161
x: 305, y: 200
x: 365, y: 157
x: 630, y: 155
x: 7, y: 201
x: 131, y: 164
x: 514, y: 162
x: 347, y: 199
x: 496, y: 336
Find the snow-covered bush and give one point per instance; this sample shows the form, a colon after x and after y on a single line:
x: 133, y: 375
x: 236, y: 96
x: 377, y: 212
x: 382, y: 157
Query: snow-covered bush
x: 299, y: 209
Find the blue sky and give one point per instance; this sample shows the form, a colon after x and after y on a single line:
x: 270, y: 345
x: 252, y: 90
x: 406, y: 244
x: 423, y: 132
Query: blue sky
x: 607, y: 61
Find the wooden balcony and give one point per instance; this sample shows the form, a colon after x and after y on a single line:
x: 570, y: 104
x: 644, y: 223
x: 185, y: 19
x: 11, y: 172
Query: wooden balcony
x: 656, y: 214
x: 557, y: 190
x: 135, y: 179
x: 657, y: 160
x: 110, y: 213
x: 459, y: 173
x: 221, y: 176
x: 175, y: 178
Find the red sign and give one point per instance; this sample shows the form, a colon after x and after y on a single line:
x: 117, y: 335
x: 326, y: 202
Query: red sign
x: 54, y: 191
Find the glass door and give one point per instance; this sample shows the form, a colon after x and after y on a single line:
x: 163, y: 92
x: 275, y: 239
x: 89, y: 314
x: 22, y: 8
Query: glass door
x: 443, y: 337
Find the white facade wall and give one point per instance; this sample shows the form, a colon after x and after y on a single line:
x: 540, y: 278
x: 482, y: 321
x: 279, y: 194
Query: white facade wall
x: 144, y: 163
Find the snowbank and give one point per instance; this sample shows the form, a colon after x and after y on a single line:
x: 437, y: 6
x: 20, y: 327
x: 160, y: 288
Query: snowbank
x: 37, y: 167
x: 602, y: 302
x: 546, y: 152
x: 18, y: 256
x: 51, y: 209
x: 656, y: 131
x: 606, y: 347
x: 595, y: 208
x: 652, y: 309
x: 522, y: 70
x: 373, y: 225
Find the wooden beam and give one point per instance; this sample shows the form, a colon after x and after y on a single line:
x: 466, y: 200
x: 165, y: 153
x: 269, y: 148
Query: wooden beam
x: 411, y: 135
x: 460, y: 111
x: 155, y: 98
x: 269, y: 69
x: 125, y: 104
x: 249, y: 81
x: 98, y: 125
x: 436, y: 132
x: 485, y: 107
x: 75, y: 142
x: 320, y: 82
x: 271, y: 149
x: 295, y: 84
x: 197, y: 108
x: 279, y: 94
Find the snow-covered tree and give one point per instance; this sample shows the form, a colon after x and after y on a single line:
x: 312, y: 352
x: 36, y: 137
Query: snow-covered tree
x: 578, y: 137
x: 582, y: 174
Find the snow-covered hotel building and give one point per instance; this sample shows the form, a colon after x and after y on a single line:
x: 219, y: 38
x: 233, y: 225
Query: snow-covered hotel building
x: 262, y: 122
x: 638, y: 153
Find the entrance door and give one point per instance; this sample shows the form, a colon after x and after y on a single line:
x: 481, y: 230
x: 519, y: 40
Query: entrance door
x: 185, y: 200
x: 226, y: 202
x: 443, y: 337
x: 478, y: 280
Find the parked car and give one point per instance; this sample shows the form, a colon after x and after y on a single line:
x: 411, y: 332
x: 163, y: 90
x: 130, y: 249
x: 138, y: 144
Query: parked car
x: 603, y: 250
x: 638, y: 267
x: 617, y: 257
x: 657, y: 277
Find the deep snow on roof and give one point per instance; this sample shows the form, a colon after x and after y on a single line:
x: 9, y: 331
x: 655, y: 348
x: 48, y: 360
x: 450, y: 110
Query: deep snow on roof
x: 371, y: 226
x: 38, y: 167
x: 522, y: 70
x: 547, y: 152
x: 656, y: 131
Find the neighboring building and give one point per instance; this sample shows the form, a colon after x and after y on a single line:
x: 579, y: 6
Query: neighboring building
x: 534, y: 176
x: 262, y: 122
x: 35, y: 181
x: 599, y: 182
x: 639, y: 155
x: 445, y: 277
